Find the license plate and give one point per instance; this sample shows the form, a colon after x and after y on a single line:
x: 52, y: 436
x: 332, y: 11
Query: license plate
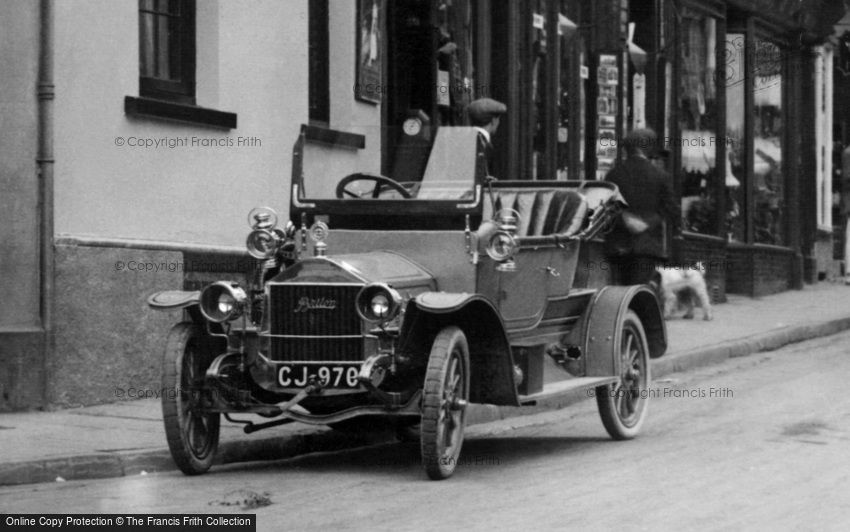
x: 329, y: 375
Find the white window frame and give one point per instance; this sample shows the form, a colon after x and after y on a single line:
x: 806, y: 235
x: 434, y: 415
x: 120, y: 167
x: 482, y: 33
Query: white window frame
x: 823, y: 135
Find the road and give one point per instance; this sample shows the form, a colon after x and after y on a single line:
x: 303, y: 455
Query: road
x: 759, y: 442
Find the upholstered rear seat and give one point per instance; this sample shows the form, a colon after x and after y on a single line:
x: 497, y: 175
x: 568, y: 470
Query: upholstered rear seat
x: 542, y: 212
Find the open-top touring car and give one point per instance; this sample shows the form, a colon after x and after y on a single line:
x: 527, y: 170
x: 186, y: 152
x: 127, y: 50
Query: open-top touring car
x: 406, y: 302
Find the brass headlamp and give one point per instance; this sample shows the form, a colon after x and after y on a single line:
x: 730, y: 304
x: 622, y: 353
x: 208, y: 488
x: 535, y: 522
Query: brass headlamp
x: 503, y: 244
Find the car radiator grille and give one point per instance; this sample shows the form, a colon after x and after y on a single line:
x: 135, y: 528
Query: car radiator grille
x: 304, y: 327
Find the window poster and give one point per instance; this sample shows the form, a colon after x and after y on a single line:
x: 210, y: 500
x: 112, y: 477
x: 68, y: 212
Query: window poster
x: 607, y: 79
x: 369, y: 46
x: 638, y: 101
x: 443, y: 88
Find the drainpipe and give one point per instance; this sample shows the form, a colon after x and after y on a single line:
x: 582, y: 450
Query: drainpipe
x: 44, y: 161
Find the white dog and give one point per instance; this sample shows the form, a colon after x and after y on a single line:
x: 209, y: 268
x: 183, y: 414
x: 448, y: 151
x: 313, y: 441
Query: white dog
x: 679, y: 287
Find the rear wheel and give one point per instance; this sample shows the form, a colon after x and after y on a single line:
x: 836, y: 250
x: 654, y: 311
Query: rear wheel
x: 623, y: 404
x: 192, y: 432
x: 444, y: 399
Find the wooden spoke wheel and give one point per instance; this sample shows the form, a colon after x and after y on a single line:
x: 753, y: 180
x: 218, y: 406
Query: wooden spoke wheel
x: 191, y: 430
x: 444, y: 402
x: 623, y: 405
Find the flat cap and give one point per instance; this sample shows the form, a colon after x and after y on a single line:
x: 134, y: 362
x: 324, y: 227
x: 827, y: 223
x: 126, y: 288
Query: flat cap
x: 482, y: 110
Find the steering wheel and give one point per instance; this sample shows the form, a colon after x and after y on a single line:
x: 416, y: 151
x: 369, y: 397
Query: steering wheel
x: 380, y: 181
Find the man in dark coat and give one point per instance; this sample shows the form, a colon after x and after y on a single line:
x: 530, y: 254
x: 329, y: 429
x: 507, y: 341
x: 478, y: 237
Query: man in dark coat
x: 648, y: 191
x: 485, y: 114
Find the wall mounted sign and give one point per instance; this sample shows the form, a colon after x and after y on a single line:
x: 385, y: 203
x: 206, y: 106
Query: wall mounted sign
x: 538, y: 21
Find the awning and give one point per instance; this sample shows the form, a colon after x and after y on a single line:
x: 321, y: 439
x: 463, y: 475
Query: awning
x: 638, y: 56
x: 566, y: 27
x: 636, y: 53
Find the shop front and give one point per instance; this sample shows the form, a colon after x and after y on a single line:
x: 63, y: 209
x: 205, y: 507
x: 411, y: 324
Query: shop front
x: 729, y: 78
x: 720, y: 82
x: 530, y: 55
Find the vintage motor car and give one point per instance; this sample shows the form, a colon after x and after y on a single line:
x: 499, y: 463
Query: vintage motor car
x: 405, y: 302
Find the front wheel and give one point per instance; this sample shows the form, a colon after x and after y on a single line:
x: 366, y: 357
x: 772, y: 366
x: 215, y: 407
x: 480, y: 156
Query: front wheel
x: 623, y: 404
x: 444, y: 400
x: 191, y: 431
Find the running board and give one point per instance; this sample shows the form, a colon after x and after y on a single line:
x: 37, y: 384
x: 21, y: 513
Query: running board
x: 555, y: 389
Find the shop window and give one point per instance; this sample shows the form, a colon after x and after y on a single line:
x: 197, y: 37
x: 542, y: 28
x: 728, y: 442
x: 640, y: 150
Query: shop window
x: 455, y: 84
x: 431, y: 73
x: 698, y: 121
x: 318, y: 74
x: 572, y: 86
x: 581, y: 111
x: 641, y: 43
x: 734, y: 75
x: 167, y: 50
x: 538, y: 90
x: 648, y: 88
x: 768, y: 176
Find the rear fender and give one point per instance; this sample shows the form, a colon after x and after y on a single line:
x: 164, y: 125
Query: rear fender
x: 491, y: 371
x: 603, y: 322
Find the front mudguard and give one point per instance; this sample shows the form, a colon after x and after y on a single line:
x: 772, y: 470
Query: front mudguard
x: 173, y: 299
x: 603, y: 322
x: 491, y: 362
x: 188, y: 301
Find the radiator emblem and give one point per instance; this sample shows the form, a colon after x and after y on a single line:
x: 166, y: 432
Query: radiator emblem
x: 314, y: 303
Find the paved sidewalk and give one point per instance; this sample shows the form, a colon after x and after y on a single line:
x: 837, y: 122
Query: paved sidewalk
x: 127, y: 438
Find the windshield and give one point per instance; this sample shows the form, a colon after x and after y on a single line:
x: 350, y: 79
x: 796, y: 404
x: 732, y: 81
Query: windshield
x: 448, y: 173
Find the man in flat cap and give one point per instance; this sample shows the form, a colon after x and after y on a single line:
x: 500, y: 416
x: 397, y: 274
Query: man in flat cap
x: 484, y: 114
x: 635, y: 249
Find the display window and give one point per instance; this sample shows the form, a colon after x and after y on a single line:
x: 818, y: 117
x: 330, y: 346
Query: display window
x: 768, y: 130
x: 734, y: 75
x: 698, y: 133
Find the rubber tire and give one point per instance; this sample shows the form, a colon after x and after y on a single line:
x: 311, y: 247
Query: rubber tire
x: 439, y: 458
x: 607, y: 397
x: 185, y: 341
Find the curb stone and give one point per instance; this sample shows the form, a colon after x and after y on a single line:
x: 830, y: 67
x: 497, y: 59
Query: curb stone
x: 95, y: 466
x: 761, y: 342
